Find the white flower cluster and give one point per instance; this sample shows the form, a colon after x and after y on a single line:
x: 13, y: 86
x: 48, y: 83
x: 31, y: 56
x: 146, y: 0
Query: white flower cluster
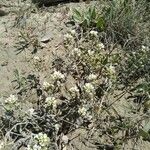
x: 12, y: 99
x: 89, y: 88
x: 68, y: 37
x: 100, y: 46
x: 76, y: 52
x: 145, y: 48
x: 11, y: 102
x: 41, y: 142
x: 94, y: 33
x: 35, y: 147
x: 31, y: 112
x: 51, y: 101
x: 2, y: 145
x: 91, y: 52
x: 43, y: 139
x: 57, y: 127
x: 65, y: 139
x: 47, y: 85
x: 82, y: 111
x: 57, y: 75
x: 74, y: 91
x: 73, y: 32
x: 36, y: 59
x: 92, y: 77
x: 111, y: 70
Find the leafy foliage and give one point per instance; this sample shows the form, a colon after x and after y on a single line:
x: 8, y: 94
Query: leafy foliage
x: 101, y: 85
x: 89, y: 18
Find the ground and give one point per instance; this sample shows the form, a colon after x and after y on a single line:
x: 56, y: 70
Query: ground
x: 47, y: 26
x: 48, y: 23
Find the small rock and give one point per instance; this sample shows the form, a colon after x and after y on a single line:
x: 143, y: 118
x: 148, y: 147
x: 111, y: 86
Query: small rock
x: 43, y: 45
x: 46, y: 38
x: 4, y: 63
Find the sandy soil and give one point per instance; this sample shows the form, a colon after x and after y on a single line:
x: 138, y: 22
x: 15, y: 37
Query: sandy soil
x: 47, y: 24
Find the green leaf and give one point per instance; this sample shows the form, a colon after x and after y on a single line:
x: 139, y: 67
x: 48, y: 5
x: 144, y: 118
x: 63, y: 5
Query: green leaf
x: 77, y: 16
x: 100, y: 23
x: 92, y: 13
x: 146, y: 128
x: 77, y: 13
x: 105, y: 61
x: 86, y: 20
x: 144, y: 134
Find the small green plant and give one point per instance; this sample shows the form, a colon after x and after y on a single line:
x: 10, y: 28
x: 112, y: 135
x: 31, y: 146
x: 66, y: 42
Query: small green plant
x: 89, y: 18
x: 99, y: 88
x: 19, y: 79
x: 27, y: 40
x: 126, y: 24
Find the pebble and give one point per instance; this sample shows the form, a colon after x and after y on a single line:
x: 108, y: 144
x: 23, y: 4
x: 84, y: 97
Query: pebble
x: 4, y: 63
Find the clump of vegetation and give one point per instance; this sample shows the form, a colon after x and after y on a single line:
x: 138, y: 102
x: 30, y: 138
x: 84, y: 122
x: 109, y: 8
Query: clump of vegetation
x: 27, y: 40
x: 89, y: 18
x: 101, y: 87
x: 123, y: 22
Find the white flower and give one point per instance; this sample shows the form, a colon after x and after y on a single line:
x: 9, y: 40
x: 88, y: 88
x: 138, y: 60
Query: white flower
x: 100, y: 46
x: 111, y: 69
x: 52, y: 101
x: 43, y: 139
x: 12, y: 99
x: 74, y: 91
x: 57, y: 75
x: 11, y: 102
x: 82, y: 111
x: 2, y: 145
x: 55, y: 104
x: 31, y: 111
x: 73, y: 32
x: 47, y: 85
x: 92, y: 77
x: 49, y: 101
x: 133, y: 53
x: 68, y: 36
x: 65, y: 139
x: 57, y: 127
x: 37, y: 147
x: 89, y: 88
x: 36, y: 59
x: 90, y: 52
x: 94, y: 33
x: 29, y: 147
x: 76, y: 51
x: 144, y: 48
